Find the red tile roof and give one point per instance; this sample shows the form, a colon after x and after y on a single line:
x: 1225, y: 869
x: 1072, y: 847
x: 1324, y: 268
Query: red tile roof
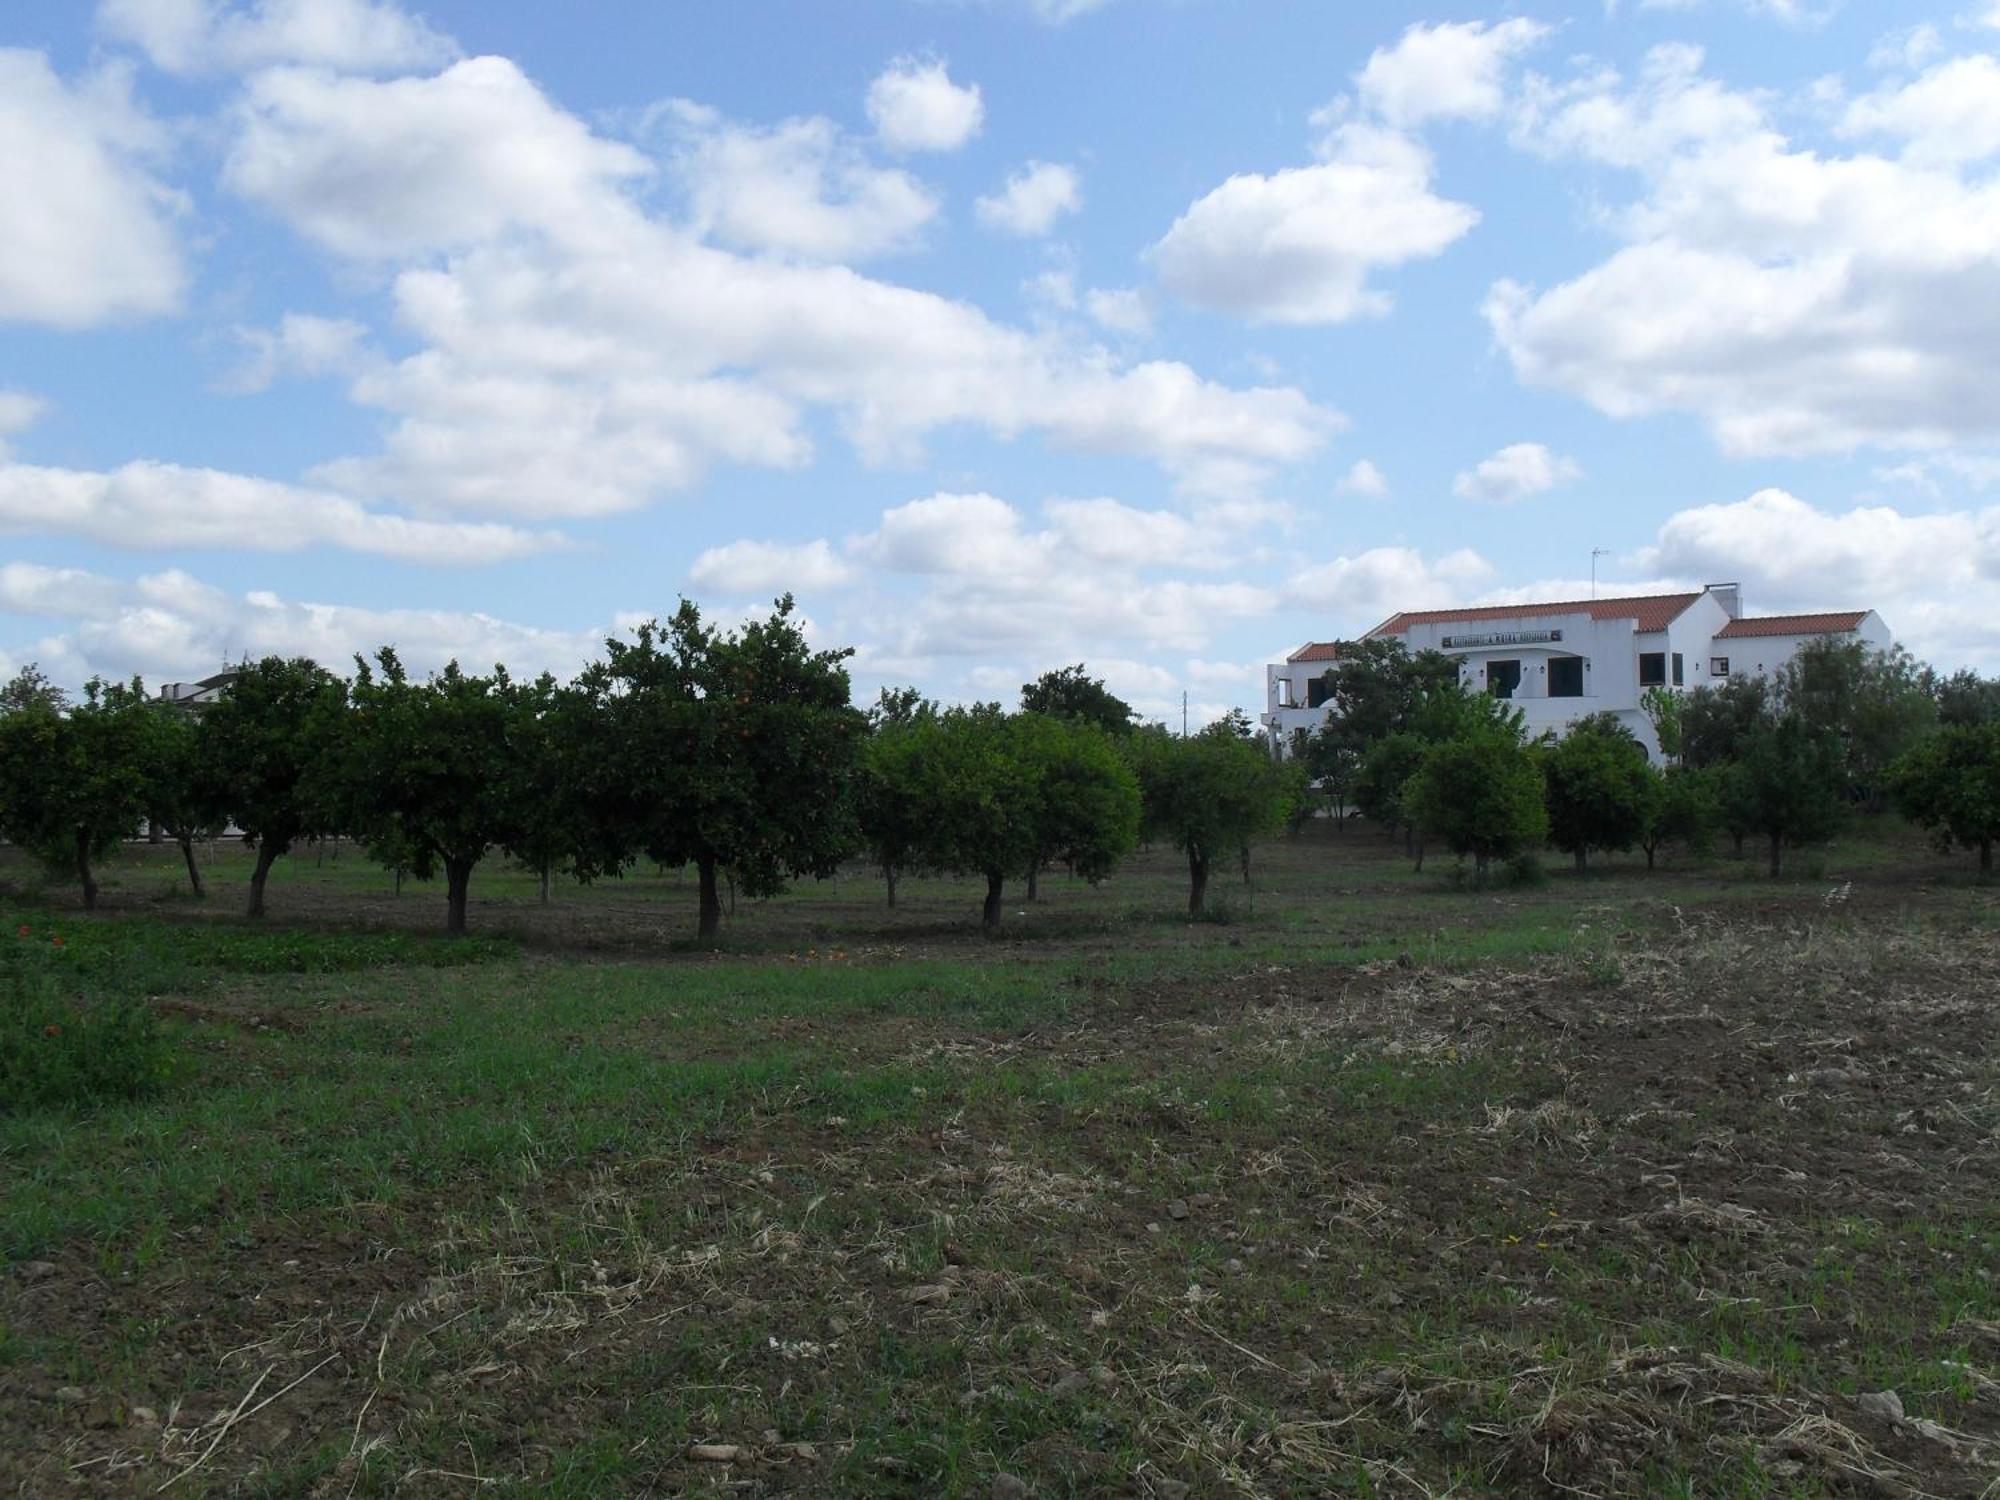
x: 1317, y: 651
x: 1647, y: 612
x: 1826, y: 623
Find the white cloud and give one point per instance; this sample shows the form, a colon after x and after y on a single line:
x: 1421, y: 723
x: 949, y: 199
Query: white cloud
x: 205, y: 36
x: 18, y: 412
x: 1931, y: 576
x: 1795, y: 301
x: 88, y: 235
x: 578, y: 356
x: 760, y: 568
x: 1298, y: 246
x: 1354, y: 593
x: 1949, y: 114
x: 153, y: 505
x: 1125, y: 310
x: 914, y: 106
x: 60, y: 593
x: 302, y: 344
x: 377, y: 169
x: 798, y: 188
x: 1454, y: 71
x: 1364, y: 479
x: 171, y: 625
x: 1514, y: 473
x: 1032, y: 200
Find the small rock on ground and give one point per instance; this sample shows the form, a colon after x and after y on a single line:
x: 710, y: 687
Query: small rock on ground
x: 1008, y: 1487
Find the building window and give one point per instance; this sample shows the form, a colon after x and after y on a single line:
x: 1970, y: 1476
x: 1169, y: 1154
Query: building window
x: 1679, y: 677
x: 1503, y: 678
x: 1283, y: 688
x: 1565, y: 677
x: 1652, y: 669
x: 1318, y: 690
x: 1718, y: 666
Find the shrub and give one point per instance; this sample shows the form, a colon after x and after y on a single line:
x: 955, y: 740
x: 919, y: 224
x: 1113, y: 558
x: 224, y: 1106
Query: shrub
x: 57, y: 1051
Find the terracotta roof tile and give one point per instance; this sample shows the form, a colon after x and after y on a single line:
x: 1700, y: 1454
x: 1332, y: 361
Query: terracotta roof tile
x: 1317, y: 651
x: 1648, y: 612
x: 1825, y: 623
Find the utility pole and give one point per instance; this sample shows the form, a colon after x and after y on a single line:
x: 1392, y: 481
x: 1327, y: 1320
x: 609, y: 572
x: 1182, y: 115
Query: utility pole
x: 1595, y: 553
x: 1183, y: 713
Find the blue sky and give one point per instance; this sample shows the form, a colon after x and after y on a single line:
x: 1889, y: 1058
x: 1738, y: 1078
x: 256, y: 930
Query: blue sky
x: 1161, y: 334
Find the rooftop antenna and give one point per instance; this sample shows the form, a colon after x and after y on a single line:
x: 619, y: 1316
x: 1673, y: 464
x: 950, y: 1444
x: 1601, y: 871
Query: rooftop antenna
x: 1595, y: 553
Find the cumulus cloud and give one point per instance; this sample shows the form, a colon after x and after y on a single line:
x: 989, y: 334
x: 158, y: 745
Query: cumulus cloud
x: 1931, y: 575
x: 1298, y: 245
x: 1365, y: 480
x: 579, y: 355
x: 1949, y: 114
x: 1796, y: 301
x: 154, y: 505
x: 18, y: 412
x: 1453, y: 71
x: 89, y: 236
x: 1032, y: 200
x: 376, y: 169
x: 1125, y: 310
x: 760, y: 568
x: 798, y: 188
x: 1514, y: 473
x: 1358, y: 592
x: 171, y: 625
x: 914, y: 106
x: 208, y: 36
x: 301, y: 344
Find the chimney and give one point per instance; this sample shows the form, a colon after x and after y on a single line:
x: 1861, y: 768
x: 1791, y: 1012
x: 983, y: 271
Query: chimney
x: 1729, y: 596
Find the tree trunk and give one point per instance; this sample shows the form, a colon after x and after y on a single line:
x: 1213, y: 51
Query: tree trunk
x: 545, y: 882
x: 990, y: 915
x: 83, y: 874
x: 194, y: 870
x: 1034, y: 883
x: 889, y: 879
x: 1420, y: 856
x: 1777, y: 855
x: 1410, y: 839
x: 1649, y: 848
x: 1246, y: 864
x: 266, y: 857
x: 1197, y: 884
x: 711, y: 903
x: 457, y: 876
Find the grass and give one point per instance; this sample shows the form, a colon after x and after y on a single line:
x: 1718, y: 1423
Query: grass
x: 1619, y: 1184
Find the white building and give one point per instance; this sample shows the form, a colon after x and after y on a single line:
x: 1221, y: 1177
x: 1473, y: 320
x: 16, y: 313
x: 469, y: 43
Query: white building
x: 1560, y: 662
x: 196, y: 695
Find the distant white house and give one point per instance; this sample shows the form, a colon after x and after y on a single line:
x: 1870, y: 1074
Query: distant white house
x: 196, y: 695
x: 1560, y: 662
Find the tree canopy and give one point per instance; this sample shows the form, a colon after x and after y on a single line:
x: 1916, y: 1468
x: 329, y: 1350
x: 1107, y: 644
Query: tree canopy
x: 1482, y: 796
x: 1950, y: 785
x: 1207, y: 795
x: 1601, y: 788
x: 1072, y: 693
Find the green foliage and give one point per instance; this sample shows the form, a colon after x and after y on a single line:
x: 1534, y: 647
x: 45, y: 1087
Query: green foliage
x: 548, y: 739
x: 1683, y: 809
x: 889, y: 778
x: 1481, y: 796
x: 73, y: 784
x: 1950, y: 785
x: 1600, y: 788
x: 1965, y: 698
x: 268, y: 741
x: 994, y: 794
x: 424, y: 771
x: 1717, y: 722
x: 1663, y: 709
x: 1383, y: 777
x: 1872, y: 704
x: 1449, y: 710
x: 58, y: 1051
x: 1788, y: 786
x: 31, y: 688
x: 724, y: 749
x: 1072, y: 693
x: 1209, y: 795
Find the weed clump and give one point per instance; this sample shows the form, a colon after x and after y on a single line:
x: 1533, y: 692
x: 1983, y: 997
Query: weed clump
x: 57, y: 1050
